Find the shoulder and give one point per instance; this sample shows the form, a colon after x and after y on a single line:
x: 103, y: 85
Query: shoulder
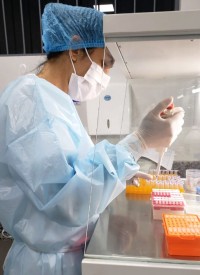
x: 21, y: 87
x: 21, y: 95
x: 29, y: 79
x: 20, y: 105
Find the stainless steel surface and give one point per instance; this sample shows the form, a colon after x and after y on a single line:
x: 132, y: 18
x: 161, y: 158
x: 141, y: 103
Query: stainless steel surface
x: 126, y: 231
x: 100, y: 266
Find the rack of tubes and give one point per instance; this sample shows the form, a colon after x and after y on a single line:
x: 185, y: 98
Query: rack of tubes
x: 166, y: 179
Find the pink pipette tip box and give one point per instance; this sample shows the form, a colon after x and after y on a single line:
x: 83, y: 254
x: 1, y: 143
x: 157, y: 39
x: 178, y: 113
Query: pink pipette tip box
x: 166, y: 201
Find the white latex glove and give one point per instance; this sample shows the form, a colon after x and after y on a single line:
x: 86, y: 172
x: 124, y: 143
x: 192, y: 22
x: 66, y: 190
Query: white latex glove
x: 155, y: 131
x: 134, y: 180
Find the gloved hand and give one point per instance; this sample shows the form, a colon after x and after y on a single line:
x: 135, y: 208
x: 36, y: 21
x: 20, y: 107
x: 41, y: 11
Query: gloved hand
x: 155, y: 131
x: 134, y: 180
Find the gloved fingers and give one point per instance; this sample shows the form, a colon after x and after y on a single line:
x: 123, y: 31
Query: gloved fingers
x: 178, y: 110
x: 162, y: 125
x: 176, y: 131
x: 143, y: 175
x: 161, y: 106
x: 135, y: 180
x: 177, y: 118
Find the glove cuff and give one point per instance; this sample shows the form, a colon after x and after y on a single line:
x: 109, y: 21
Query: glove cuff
x: 143, y: 143
x: 135, y: 144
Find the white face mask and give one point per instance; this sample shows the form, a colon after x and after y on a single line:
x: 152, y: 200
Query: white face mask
x: 90, y: 86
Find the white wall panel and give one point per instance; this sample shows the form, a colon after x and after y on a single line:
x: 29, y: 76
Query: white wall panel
x: 12, y: 67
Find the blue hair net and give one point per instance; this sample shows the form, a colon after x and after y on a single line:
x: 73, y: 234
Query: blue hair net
x: 70, y: 27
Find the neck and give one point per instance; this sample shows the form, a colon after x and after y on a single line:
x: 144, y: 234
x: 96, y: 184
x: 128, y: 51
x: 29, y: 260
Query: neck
x: 57, y: 72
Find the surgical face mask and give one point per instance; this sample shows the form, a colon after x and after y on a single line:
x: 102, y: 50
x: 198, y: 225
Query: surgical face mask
x: 91, y: 85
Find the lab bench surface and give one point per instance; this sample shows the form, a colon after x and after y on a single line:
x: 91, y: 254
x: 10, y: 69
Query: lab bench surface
x: 126, y: 235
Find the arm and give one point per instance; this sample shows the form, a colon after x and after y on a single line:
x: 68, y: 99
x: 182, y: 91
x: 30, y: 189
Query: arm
x: 42, y: 153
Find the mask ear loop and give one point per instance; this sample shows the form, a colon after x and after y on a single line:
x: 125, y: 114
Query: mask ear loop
x: 103, y: 65
x: 88, y: 55
x: 72, y: 63
x: 104, y: 55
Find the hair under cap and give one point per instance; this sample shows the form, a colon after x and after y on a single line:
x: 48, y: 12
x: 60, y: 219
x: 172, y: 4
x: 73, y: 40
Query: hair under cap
x: 68, y: 27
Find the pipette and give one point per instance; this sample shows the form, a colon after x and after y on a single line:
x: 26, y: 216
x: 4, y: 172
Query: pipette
x: 165, y: 114
x: 161, y: 154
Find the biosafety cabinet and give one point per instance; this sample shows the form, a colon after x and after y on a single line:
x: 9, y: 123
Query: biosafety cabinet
x: 157, y: 55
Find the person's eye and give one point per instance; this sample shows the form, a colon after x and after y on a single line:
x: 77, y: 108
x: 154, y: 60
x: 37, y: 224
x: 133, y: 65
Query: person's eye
x: 108, y: 65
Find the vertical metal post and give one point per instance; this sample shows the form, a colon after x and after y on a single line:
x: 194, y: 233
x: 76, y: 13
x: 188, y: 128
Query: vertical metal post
x: 76, y: 2
x: 95, y: 5
x: 134, y: 6
x: 4, y: 23
x: 177, y: 5
x: 22, y: 23
x: 154, y: 5
x: 115, y: 6
x: 39, y: 8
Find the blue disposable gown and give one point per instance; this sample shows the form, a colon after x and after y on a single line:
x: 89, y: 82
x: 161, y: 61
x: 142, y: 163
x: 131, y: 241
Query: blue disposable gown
x: 47, y: 168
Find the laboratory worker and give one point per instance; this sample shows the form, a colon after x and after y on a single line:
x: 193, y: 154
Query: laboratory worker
x: 51, y: 173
